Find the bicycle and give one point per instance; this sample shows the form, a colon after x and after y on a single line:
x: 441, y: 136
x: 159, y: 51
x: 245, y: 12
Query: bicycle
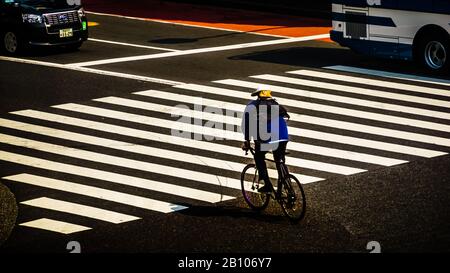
x: 289, y: 193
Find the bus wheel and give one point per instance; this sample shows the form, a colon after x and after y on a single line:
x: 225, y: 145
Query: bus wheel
x: 434, y: 52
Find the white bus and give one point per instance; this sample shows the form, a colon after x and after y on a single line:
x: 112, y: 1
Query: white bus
x: 416, y: 30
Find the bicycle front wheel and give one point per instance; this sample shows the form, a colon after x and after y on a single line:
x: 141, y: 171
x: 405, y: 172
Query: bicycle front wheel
x: 293, y: 200
x: 250, y: 184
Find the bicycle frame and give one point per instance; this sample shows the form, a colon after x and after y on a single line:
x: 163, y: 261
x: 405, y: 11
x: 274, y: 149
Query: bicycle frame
x: 293, y: 203
x: 282, y: 179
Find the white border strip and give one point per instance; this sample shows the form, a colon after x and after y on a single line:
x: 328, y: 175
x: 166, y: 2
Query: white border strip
x: 93, y: 71
x: 200, y: 50
x: 131, y: 45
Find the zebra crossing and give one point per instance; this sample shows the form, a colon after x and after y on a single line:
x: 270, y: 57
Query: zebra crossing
x: 126, y: 150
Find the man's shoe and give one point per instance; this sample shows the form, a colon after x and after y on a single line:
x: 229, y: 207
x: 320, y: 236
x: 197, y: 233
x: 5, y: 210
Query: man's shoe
x: 267, y: 188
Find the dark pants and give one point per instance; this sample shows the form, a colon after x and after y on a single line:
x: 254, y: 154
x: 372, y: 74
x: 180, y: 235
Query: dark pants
x: 278, y: 150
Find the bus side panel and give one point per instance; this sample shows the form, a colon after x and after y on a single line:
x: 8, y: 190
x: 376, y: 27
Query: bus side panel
x: 377, y: 43
x: 407, y: 23
x: 374, y: 48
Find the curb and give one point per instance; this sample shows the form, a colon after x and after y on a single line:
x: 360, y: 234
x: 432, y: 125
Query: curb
x: 8, y: 213
x: 317, y: 8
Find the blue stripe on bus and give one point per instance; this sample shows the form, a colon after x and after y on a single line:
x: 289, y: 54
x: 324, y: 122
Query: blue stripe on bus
x: 374, y: 48
x: 430, y: 6
x: 388, y: 4
x: 363, y: 19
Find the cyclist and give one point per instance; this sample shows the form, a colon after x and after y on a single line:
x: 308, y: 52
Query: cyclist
x: 263, y: 120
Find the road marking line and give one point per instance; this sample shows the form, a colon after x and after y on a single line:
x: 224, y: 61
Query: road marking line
x: 55, y: 226
x: 341, y: 110
x: 354, y: 101
x: 91, y: 70
x: 82, y: 210
x: 362, y: 91
x: 99, y: 193
x: 184, y: 24
x: 142, y: 183
x: 303, y: 163
x: 198, y: 51
x: 337, y: 124
x: 132, y: 45
x: 389, y: 84
x: 386, y: 74
x: 148, y: 135
x: 307, y: 148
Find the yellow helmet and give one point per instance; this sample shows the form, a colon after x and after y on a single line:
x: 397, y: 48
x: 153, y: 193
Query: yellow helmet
x: 263, y: 92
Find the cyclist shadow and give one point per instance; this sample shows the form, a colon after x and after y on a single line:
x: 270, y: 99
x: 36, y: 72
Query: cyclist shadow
x: 234, y: 212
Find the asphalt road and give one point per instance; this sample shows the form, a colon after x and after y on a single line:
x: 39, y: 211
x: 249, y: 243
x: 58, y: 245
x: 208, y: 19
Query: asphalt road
x: 389, y: 185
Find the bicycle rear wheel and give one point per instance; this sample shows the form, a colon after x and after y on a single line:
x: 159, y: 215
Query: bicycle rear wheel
x: 250, y: 184
x: 293, y: 200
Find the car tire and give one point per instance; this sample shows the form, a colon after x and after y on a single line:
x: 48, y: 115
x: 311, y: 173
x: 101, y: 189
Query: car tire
x: 11, y: 43
x: 433, y: 52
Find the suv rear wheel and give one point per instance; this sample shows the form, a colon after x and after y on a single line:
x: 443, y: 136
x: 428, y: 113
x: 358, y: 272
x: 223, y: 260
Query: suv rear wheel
x: 11, y: 42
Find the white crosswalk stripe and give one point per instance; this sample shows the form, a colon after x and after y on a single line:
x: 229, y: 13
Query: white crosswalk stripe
x: 235, y: 136
x: 364, y: 91
x: 355, y: 101
x: 310, y: 133
x: 372, y: 82
x: 138, y: 165
x: 55, y: 226
x: 114, y: 196
x: 341, y: 125
x: 400, y: 76
x: 197, y: 129
x: 82, y: 210
x: 170, y: 179
x: 344, y: 154
x: 341, y: 110
x: 192, y: 143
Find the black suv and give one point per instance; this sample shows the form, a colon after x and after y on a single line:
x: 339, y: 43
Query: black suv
x: 26, y: 23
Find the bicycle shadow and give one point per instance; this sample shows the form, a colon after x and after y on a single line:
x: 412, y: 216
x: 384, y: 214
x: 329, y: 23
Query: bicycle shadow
x: 234, y: 212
